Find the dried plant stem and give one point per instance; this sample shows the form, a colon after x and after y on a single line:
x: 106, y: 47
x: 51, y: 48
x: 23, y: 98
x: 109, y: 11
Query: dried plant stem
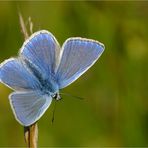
x: 31, y: 135
x: 23, y: 26
x: 30, y: 132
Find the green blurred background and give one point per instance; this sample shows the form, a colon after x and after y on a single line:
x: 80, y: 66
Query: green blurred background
x: 115, y: 112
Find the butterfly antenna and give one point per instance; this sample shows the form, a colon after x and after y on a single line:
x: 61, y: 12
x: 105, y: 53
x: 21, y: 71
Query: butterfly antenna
x: 54, y: 108
x: 70, y: 95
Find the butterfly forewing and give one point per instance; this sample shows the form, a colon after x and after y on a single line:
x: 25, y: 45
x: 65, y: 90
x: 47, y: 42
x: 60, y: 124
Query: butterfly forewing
x: 28, y: 107
x: 78, y: 55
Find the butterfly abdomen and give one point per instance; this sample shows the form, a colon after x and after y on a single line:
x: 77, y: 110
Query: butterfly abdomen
x: 48, y: 84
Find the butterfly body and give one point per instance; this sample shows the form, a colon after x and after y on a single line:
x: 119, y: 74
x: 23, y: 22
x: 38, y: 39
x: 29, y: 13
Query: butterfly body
x: 42, y: 69
x: 48, y: 85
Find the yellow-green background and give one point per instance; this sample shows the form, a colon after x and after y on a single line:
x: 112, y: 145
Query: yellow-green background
x: 115, y: 112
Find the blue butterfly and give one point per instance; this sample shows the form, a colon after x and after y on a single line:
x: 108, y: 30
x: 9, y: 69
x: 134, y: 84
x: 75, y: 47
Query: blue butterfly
x: 42, y: 69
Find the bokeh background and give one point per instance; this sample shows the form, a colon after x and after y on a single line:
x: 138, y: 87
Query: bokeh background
x: 115, y: 112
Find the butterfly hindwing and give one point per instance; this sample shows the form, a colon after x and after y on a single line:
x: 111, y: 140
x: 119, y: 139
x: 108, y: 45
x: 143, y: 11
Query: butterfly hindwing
x: 14, y: 74
x: 28, y: 107
x: 42, y: 49
x: 78, y: 55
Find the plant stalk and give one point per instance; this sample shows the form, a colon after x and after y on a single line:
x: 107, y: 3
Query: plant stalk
x: 31, y: 135
x: 30, y: 132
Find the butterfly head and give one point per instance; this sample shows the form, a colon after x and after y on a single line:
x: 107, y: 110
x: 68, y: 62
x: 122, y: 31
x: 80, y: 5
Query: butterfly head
x: 56, y: 96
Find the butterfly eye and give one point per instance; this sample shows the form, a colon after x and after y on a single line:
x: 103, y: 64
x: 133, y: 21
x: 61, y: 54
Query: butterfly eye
x: 55, y: 96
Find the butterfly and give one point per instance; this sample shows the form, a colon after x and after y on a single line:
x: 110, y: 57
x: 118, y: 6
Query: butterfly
x: 42, y: 69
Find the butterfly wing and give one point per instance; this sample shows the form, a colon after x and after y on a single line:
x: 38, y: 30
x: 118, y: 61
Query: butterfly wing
x: 78, y: 55
x: 42, y: 49
x: 28, y: 107
x: 14, y: 74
